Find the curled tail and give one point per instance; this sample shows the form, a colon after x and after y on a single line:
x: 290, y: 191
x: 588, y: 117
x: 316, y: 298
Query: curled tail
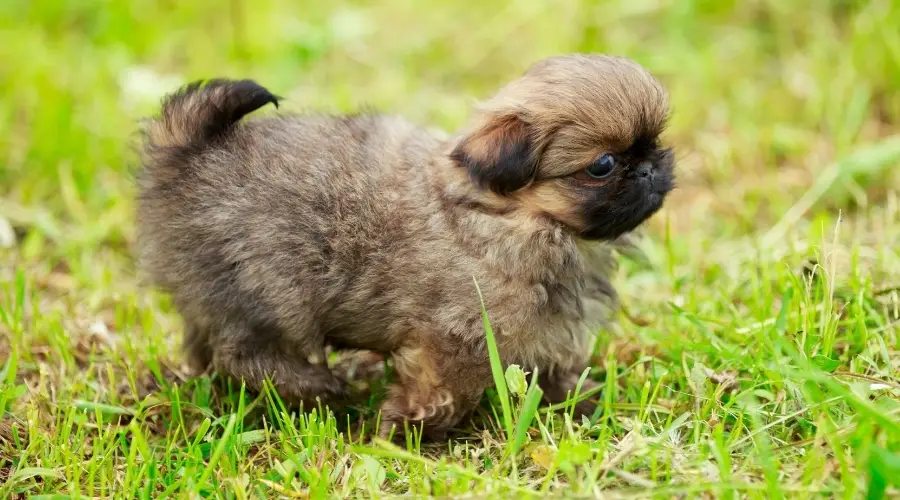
x: 198, y: 114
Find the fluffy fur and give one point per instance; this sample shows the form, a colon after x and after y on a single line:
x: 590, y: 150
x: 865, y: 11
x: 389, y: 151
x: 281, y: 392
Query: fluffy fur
x: 281, y: 235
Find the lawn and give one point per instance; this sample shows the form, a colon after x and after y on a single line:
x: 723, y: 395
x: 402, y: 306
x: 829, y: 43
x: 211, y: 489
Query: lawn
x: 757, y: 355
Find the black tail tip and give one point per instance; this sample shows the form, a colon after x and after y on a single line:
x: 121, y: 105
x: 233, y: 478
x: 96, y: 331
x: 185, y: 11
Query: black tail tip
x: 208, y: 108
x: 256, y: 95
x: 241, y: 96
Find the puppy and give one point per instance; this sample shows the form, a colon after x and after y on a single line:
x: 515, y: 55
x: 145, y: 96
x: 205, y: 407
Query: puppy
x: 279, y: 236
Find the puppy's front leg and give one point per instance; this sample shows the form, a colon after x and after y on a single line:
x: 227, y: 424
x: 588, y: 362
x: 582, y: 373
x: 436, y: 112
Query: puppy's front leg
x: 433, y: 391
x: 561, y: 386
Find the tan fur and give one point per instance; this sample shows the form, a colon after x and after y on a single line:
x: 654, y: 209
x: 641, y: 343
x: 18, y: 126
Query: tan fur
x: 546, y: 198
x: 280, y: 235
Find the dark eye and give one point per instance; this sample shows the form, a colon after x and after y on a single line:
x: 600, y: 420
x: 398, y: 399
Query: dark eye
x: 602, y: 167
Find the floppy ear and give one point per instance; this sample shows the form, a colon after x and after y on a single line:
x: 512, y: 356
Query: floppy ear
x: 499, y: 155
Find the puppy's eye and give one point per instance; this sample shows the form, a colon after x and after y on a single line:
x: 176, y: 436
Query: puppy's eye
x: 602, y: 167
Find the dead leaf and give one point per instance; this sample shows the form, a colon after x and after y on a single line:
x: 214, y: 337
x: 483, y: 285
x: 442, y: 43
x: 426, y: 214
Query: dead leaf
x: 725, y: 379
x: 543, y: 455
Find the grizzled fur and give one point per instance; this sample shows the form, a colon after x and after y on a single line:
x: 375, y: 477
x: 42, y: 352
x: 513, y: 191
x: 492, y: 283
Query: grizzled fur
x: 279, y: 236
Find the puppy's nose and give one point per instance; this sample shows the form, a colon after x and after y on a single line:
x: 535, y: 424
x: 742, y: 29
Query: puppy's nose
x: 645, y: 170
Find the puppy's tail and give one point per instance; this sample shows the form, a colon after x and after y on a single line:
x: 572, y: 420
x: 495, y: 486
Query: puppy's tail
x: 200, y: 113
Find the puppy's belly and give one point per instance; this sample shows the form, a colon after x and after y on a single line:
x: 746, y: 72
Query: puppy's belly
x: 364, y: 337
x: 527, y: 332
x: 361, y: 342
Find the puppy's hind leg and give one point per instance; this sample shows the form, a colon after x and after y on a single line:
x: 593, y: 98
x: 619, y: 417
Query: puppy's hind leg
x: 255, y: 356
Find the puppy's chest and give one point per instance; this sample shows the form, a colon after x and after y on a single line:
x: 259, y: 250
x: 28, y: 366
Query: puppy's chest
x: 551, y: 315
x: 546, y: 315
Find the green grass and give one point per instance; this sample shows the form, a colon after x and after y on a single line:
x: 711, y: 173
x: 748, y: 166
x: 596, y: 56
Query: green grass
x: 761, y: 356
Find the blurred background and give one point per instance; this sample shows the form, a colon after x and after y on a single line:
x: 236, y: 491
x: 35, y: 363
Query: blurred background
x: 765, y: 93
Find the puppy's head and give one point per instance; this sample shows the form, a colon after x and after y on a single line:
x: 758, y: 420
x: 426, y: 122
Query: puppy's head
x: 576, y: 138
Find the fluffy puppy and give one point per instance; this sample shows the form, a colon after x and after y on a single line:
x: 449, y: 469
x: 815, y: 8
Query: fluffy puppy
x: 279, y: 236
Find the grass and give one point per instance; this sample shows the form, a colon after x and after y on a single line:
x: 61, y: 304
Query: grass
x: 759, y: 357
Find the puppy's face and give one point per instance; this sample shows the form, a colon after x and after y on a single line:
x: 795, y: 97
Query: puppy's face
x: 576, y: 139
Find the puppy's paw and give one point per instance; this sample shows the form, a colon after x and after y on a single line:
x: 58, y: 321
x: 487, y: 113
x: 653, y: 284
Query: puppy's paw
x: 311, y: 385
x: 396, y: 429
x: 585, y: 408
x: 297, y: 382
x: 561, y: 389
x: 432, y: 418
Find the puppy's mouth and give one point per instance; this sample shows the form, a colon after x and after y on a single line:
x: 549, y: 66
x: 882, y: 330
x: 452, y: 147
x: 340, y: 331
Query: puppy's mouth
x: 611, y: 225
x: 655, y: 201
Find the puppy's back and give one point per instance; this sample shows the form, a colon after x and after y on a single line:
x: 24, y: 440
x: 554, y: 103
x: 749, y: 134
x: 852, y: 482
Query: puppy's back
x: 257, y: 217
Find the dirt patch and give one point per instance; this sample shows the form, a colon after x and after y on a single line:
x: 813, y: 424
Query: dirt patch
x: 11, y: 433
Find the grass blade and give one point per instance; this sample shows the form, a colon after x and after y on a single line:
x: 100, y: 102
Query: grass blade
x: 496, y: 366
x: 529, y: 411
x: 217, y: 454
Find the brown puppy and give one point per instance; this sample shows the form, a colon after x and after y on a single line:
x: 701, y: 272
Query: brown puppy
x: 281, y: 235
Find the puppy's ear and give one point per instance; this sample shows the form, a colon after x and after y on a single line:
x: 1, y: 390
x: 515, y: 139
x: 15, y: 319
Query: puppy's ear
x: 500, y: 155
